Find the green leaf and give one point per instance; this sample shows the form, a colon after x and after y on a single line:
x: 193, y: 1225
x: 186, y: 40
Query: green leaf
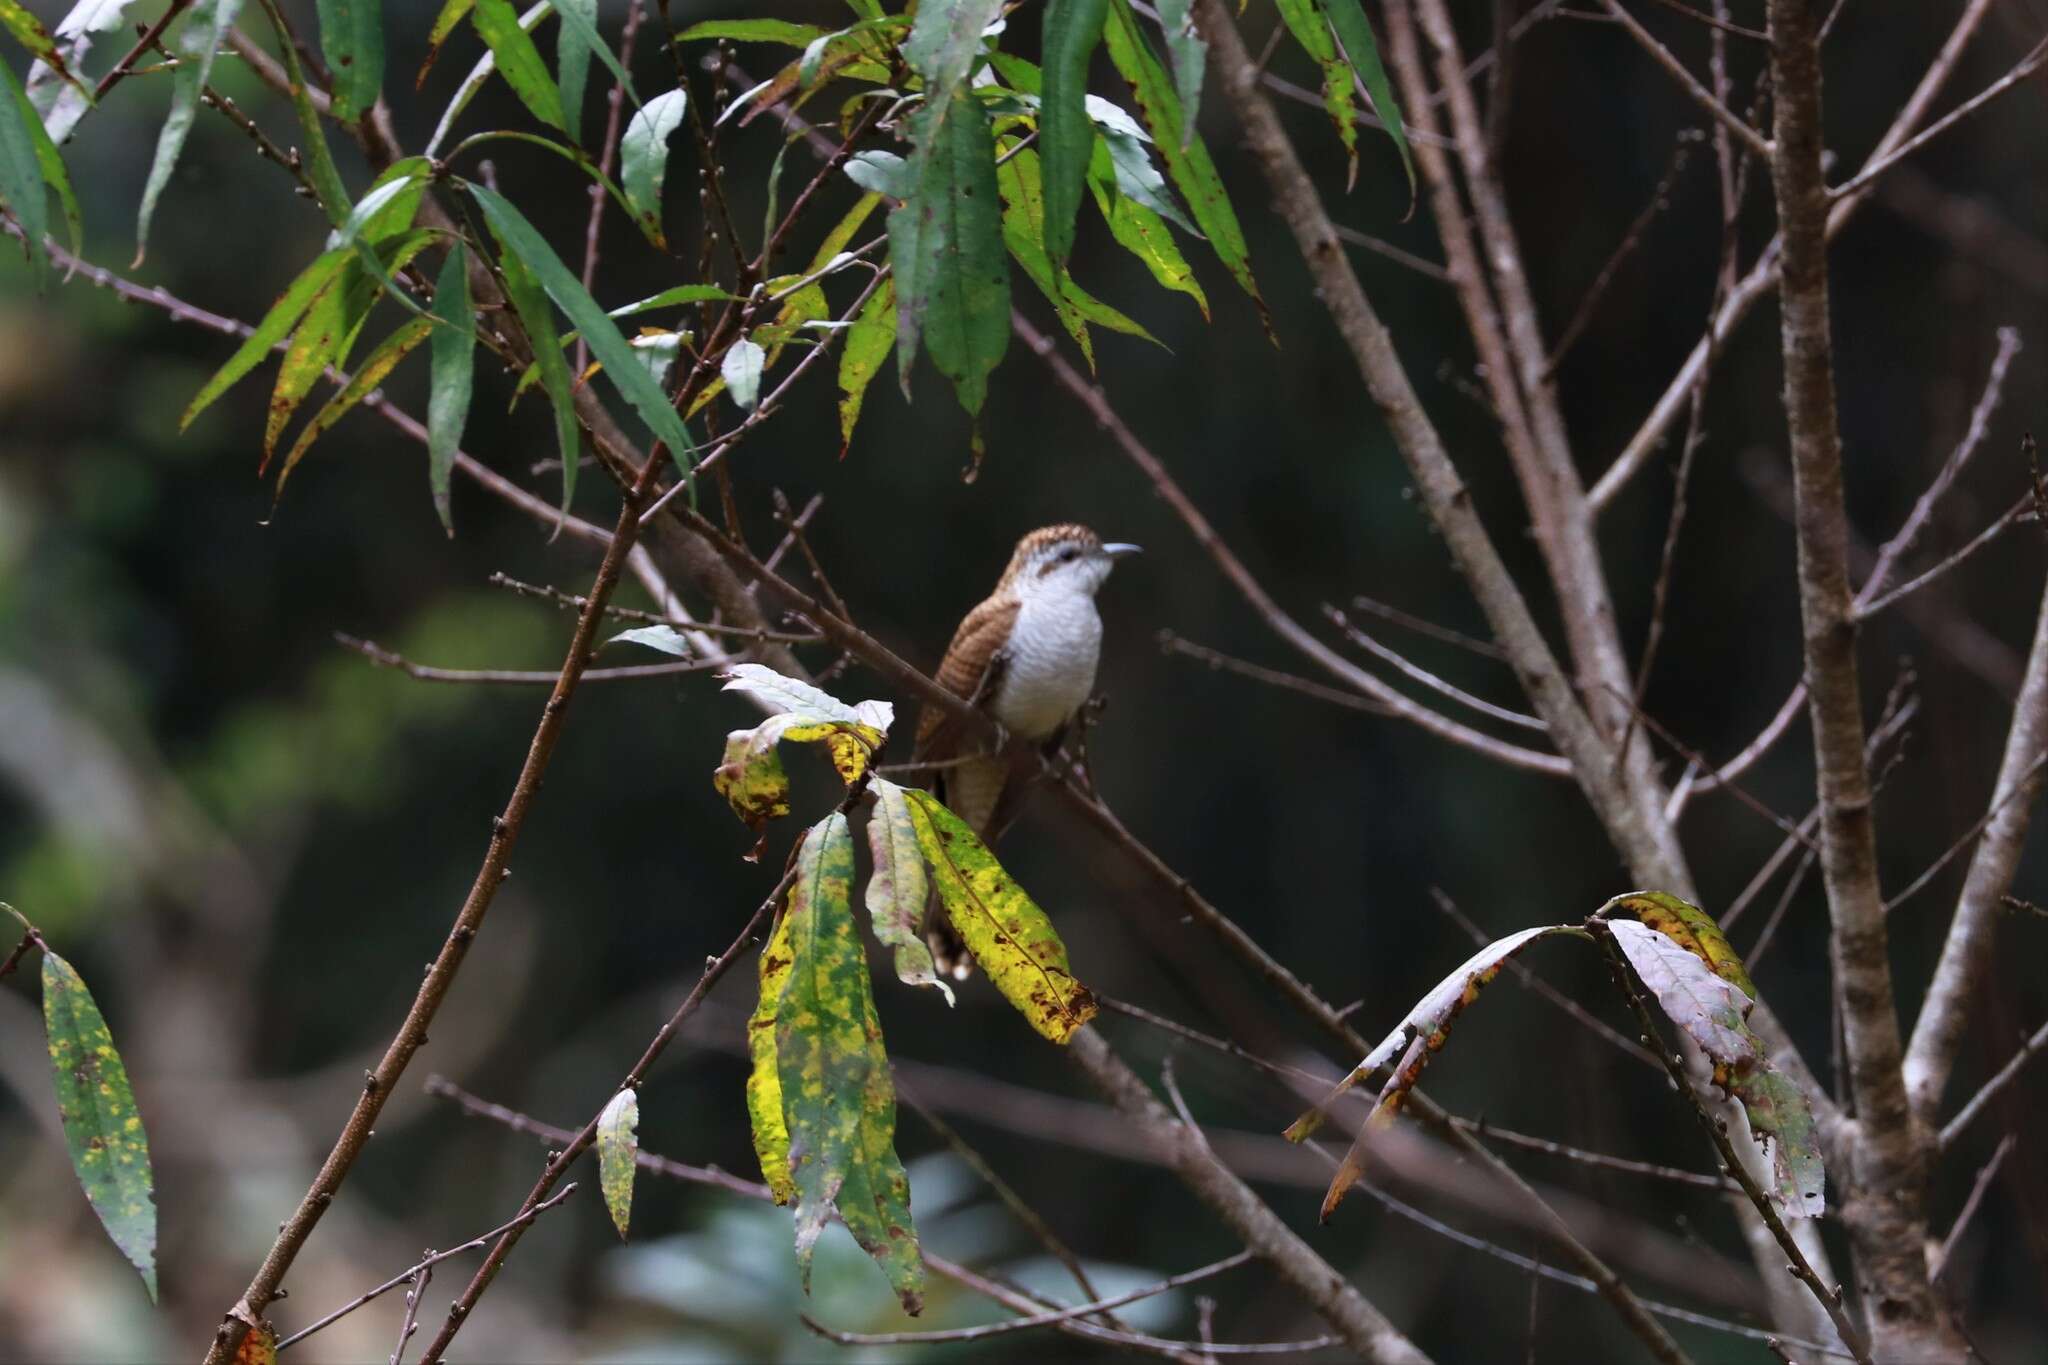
x: 30, y: 33
x: 1690, y: 927
x: 1066, y: 135
x: 102, y: 1129
x: 1008, y: 934
x: 618, y: 1156
x: 667, y: 639
x: 741, y: 370
x: 203, y: 30
x: 453, y: 372
x: 21, y: 175
x: 452, y: 13
x: 838, y: 1103
x: 946, y: 245
x: 1121, y: 158
x: 572, y: 59
x: 276, y: 324
x: 376, y: 366
x: 320, y: 166
x: 1192, y: 172
x: 944, y: 40
x: 880, y: 172
x: 1306, y: 21
x: 643, y: 158
x: 1023, y: 224
x: 48, y: 162
x: 669, y: 298
x: 868, y: 343
x: 1187, y: 54
x: 897, y: 888
x: 612, y: 350
x: 1347, y: 17
x: 518, y: 60
x: 352, y: 37
x: 1711, y: 1002
x: 754, y: 31
x: 764, y: 1082
x: 1144, y: 234
x: 1421, y: 1033
x: 529, y: 300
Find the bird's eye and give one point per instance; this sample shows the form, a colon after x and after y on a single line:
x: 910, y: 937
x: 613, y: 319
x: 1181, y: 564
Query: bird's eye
x: 1067, y: 555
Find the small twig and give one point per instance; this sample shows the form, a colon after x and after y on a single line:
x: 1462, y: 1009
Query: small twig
x: 1721, y: 25
x: 1967, y: 1115
x: 1693, y: 755
x: 1427, y: 268
x: 1485, y: 649
x: 1416, y: 673
x: 404, y: 1276
x: 146, y: 43
x: 607, y: 157
x: 1660, y: 199
x: 1171, y: 643
x: 2023, y: 787
x: 1689, y: 83
x: 1939, y: 1261
x: 410, y: 1322
x: 574, y: 602
x: 1830, y: 1299
x: 2020, y: 511
x: 795, y: 531
x: 2027, y: 66
x: 537, y: 677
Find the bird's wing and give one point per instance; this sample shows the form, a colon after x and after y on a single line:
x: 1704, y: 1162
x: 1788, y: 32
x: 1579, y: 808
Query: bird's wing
x: 972, y: 669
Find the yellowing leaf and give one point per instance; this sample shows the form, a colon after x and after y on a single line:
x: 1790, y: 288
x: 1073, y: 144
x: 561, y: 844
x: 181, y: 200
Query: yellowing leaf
x: 259, y: 1346
x: 618, y: 1156
x: 868, y: 343
x: 1692, y: 928
x: 897, y: 888
x: 764, y: 1084
x: 1008, y: 934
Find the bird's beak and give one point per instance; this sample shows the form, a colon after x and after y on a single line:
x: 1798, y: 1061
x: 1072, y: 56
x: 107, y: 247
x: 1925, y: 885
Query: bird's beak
x: 1117, y: 549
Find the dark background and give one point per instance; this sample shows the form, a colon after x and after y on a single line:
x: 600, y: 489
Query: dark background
x: 248, y: 838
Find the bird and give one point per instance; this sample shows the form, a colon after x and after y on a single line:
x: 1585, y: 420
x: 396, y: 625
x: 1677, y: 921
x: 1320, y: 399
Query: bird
x: 1026, y: 655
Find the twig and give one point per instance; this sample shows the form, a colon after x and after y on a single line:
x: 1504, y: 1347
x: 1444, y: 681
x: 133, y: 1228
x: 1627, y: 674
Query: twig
x: 2021, y: 786
x: 607, y: 157
x: 1217, y: 660
x: 576, y: 601
x: 795, y: 532
x: 2028, y: 65
x: 2021, y: 509
x: 1025, y: 1324
x: 1660, y: 199
x: 409, y: 1273
x: 1443, y: 634
x: 1711, y: 21
x: 1417, y: 673
x: 1939, y: 1262
x: 1427, y: 268
x: 1699, y: 94
x: 384, y: 658
x: 145, y: 43
x: 1960, y: 1124
x: 410, y: 1322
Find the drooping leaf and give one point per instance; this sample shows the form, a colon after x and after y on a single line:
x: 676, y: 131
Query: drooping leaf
x: 1189, y: 165
x: 329, y: 322
x: 764, y: 1081
x: 667, y: 639
x: 618, y: 1156
x: 1311, y: 28
x: 518, y: 60
x: 352, y: 37
x: 452, y: 13
x: 320, y: 167
x: 751, y: 776
x: 741, y: 369
x: 376, y: 367
x: 1144, y: 234
x: 1713, y: 1011
x: 897, y: 887
x: 1005, y: 930
x: 943, y: 42
x: 1023, y: 222
x: 793, y: 694
x: 1690, y: 927
x: 452, y: 368
x: 200, y: 35
x: 60, y: 101
x: 754, y: 31
x: 48, y: 162
x: 1347, y: 17
x: 480, y: 73
x: 21, y: 175
x: 102, y: 1129
x: 572, y: 60
x: 868, y: 344
x: 881, y: 172
x: 643, y: 158
x: 1066, y: 135
x: 862, y: 50
x: 1418, y: 1037
x: 669, y: 298
x: 1187, y: 54
x: 946, y: 246
x: 530, y: 302
x: 1120, y: 158
x: 837, y: 1101
x: 611, y: 350
x: 30, y: 33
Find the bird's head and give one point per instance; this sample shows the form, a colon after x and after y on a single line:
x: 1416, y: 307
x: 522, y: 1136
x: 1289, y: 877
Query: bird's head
x: 1063, y: 559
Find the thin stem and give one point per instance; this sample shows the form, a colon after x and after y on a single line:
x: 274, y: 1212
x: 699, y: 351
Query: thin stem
x: 384, y: 658
x: 1689, y: 83
x: 2028, y: 65
x: 1960, y: 1124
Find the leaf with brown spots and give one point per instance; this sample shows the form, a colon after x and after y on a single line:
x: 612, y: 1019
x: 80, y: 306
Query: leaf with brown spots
x: 764, y: 1084
x: 1691, y: 928
x: 1008, y: 934
x: 897, y: 887
x: 259, y: 1346
x: 109, y: 1149
x: 618, y: 1156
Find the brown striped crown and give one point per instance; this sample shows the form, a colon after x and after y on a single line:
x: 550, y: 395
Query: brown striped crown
x: 1042, y: 547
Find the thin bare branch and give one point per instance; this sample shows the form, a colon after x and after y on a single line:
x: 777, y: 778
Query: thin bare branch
x: 1217, y: 660
x: 1960, y: 1124
x: 385, y: 658
x: 1939, y: 1262
x: 1484, y: 649
x: 1416, y: 673
x: 1689, y: 83
x: 2028, y: 65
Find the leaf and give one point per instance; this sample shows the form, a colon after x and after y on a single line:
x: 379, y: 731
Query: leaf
x: 667, y: 298
x: 572, y: 59
x: 643, y: 155
x: 30, y: 33
x: 764, y: 1082
x: 897, y: 888
x: 946, y: 246
x: 1143, y: 233
x: 1691, y: 927
x: 453, y: 376
x: 611, y: 349
x: 49, y: 165
x: 352, y: 37
x: 754, y: 31
x: 58, y: 99
x: 1187, y: 54
x: 21, y: 176
x: 1023, y: 223
x: 1418, y: 1037
x: 1123, y: 159
x: 667, y: 639
x: 618, y: 1156
x: 1189, y: 166
x: 320, y: 167
x: 316, y: 343
x: 375, y: 368
x: 102, y: 1129
x: 259, y: 1346
x: 1713, y: 1011
x: 741, y: 370
x: 204, y: 29
x: 1347, y: 17
x: 837, y: 1100
x: 1306, y: 21
x: 530, y: 302
x: 789, y: 694
x: 452, y: 13
x: 1008, y: 934
x: 518, y: 60
x: 868, y: 343
x: 1066, y: 135
x: 881, y: 173
x: 944, y: 41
